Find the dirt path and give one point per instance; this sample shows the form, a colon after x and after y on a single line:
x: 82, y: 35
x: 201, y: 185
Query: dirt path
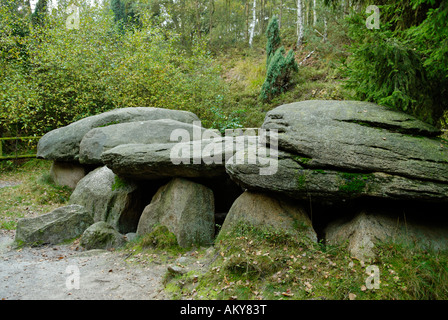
x: 50, y: 272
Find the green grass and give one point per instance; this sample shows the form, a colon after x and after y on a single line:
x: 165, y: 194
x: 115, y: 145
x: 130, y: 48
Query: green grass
x: 255, y: 264
x: 354, y: 183
x: 245, y: 72
x: 251, y: 262
x: 37, y: 194
x: 160, y: 245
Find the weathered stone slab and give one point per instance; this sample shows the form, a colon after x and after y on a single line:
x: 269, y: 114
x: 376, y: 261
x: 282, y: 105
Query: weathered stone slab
x: 359, y: 136
x: 61, y: 224
x: 98, y: 140
x: 63, y: 143
x: 334, y: 150
x: 194, y: 159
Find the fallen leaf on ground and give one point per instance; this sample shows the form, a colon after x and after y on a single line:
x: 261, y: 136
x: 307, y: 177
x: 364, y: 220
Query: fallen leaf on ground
x: 288, y: 293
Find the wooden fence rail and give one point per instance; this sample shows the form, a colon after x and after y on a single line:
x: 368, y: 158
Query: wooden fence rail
x: 16, y: 156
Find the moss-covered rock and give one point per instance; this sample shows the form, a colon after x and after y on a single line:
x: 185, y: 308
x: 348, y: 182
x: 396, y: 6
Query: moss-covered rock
x: 333, y: 150
x: 262, y: 210
x: 60, y: 225
x: 186, y: 208
x: 101, y: 235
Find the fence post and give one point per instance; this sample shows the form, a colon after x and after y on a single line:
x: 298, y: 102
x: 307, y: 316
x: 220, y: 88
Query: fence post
x: 17, y: 156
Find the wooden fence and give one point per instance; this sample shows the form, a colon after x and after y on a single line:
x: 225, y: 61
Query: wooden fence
x: 16, y: 155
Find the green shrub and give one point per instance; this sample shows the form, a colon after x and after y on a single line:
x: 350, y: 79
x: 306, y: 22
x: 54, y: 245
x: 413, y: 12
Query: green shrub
x: 273, y: 39
x: 73, y: 74
x: 279, y: 68
x: 223, y: 122
x: 403, y: 64
x: 278, y: 75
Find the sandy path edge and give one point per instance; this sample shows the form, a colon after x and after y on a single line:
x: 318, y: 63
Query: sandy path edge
x: 50, y: 272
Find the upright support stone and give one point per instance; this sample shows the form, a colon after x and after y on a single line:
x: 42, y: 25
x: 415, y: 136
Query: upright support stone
x: 67, y: 173
x: 110, y: 199
x: 186, y: 208
x: 264, y: 210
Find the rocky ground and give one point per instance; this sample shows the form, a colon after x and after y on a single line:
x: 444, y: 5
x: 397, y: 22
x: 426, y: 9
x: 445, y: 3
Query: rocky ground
x: 48, y: 272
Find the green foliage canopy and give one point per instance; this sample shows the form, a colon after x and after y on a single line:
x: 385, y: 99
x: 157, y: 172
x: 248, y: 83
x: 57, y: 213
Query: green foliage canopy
x: 51, y: 76
x: 404, y: 64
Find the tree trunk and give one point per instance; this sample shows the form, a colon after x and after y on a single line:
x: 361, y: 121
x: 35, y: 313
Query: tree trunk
x: 314, y: 13
x: 299, y: 23
x: 210, y: 22
x: 198, y: 19
x: 262, y: 16
x: 281, y: 15
x: 325, y: 30
x: 246, y: 12
x: 306, y: 10
x: 252, y: 25
x: 228, y: 5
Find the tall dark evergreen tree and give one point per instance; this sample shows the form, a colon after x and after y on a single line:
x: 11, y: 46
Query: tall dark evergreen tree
x: 38, y: 16
x: 403, y: 64
x: 125, y: 13
x: 273, y: 38
x: 119, y: 10
x: 279, y: 67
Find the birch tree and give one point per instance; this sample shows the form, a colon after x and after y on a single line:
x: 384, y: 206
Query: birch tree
x: 252, y: 25
x: 299, y: 23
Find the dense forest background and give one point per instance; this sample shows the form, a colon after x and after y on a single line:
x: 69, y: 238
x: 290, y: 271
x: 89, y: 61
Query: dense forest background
x: 229, y: 61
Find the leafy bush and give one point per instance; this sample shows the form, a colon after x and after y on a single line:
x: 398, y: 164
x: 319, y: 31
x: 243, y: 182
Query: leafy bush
x: 72, y: 74
x: 223, y: 122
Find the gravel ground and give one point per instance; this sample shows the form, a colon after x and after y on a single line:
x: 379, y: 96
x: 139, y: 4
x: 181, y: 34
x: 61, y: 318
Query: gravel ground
x: 49, y: 273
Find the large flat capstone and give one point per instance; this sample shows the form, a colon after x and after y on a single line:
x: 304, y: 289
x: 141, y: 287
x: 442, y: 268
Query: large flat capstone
x: 348, y: 149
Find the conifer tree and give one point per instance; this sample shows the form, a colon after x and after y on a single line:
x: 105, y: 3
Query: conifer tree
x: 273, y: 39
x: 119, y: 10
x: 124, y: 13
x: 279, y: 67
x: 37, y: 17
